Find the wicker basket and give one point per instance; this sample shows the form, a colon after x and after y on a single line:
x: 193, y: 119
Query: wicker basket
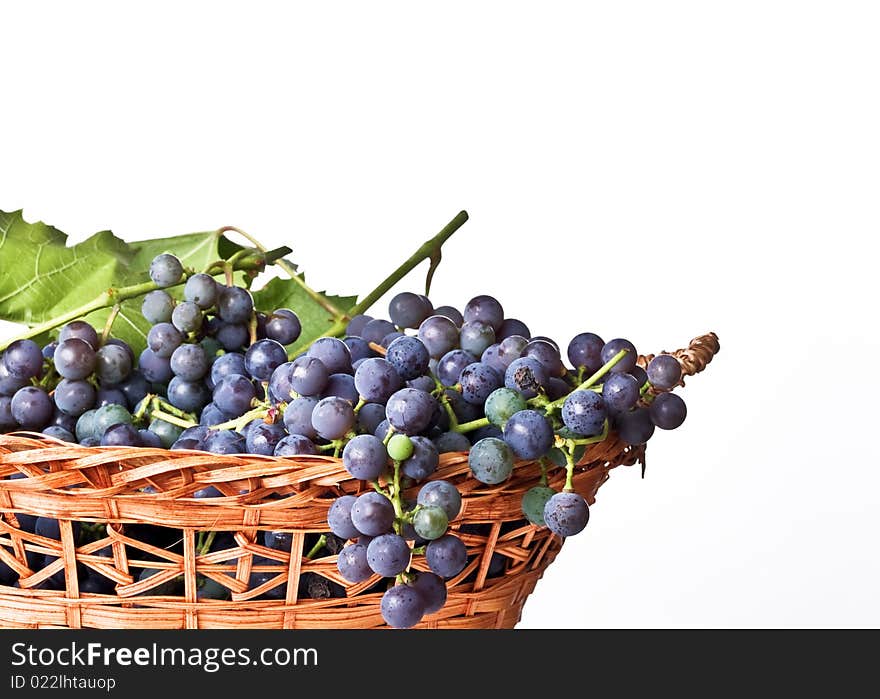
x: 125, y: 486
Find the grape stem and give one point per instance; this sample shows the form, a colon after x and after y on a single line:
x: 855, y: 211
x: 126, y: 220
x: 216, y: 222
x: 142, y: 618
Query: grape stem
x: 290, y: 268
x: 319, y: 544
x: 261, y: 411
x: 569, y: 470
x: 470, y: 426
x: 429, y: 250
x: 171, y: 419
x: 113, y: 296
x: 604, y: 369
x: 395, y: 498
x: 108, y: 326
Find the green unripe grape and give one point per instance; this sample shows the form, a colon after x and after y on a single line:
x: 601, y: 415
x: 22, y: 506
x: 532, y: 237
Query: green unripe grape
x: 533, y: 503
x: 108, y: 415
x: 430, y: 522
x: 85, y: 426
x: 167, y: 432
x: 502, y: 403
x: 400, y: 447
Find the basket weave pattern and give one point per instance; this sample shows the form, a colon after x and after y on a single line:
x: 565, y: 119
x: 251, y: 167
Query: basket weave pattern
x: 120, y: 486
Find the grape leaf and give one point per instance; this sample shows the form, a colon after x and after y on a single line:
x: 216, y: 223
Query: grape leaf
x: 315, y: 319
x: 42, y: 277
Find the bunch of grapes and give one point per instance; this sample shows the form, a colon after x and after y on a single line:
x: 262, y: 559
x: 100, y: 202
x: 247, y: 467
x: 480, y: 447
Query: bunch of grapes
x: 388, y: 398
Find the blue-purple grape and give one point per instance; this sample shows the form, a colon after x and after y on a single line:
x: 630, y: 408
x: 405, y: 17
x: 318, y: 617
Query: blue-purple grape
x: 59, y: 433
x: 475, y: 337
x: 547, y: 354
x: 512, y: 326
x: 409, y: 357
x: 227, y: 364
x: 32, y: 408
x: 234, y: 394
x: 113, y: 364
x: 201, y: 289
x: 492, y: 357
x: 74, y: 358
x: 371, y: 514
x: 341, y: 386
x: 122, y: 434
x: 333, y: 352
x: 451, y: 365
x: 163, y: 339
x: 478, y: 381
x: 135, y: 388
x: 155, y: 369
x: 232, y: 336
x: 189, y: 396
x: 356, y: 325
x: 364, y: 457
x: 9, y: 384
x: 485, y: 309
x: 298, y: 416
x: 432, y: 589
x: 75, y: 396
x: 225, y: 442
x: 339, y: 517
x: 148, y: 438
x: 585, y: 352
x: 359, y: 348
x: 620, y: 392
x: 566, y: 514
x: 295, y: 445
x: 263, y: 438
x: 369, y: 417
x: 526, y: 375
x: 446, y: 556
x: 664, y: 372
x: 627, y: 362
x: 510, y: 349
x: 402, y: 606
x: 439, y: 335
x: 283, y: 325
x: 376, y: 329
x: 308, y: 375
x: 408, y: 310
x: 668, y: 411
x: 352, y: 563
x: 450, y: 312
x: 157, y: 307
x: 235, y: 304
x: 189, y: 362
x: 529, y: 434
x: 635, y: 427
x: 333, y: 417
x: 166, y: 270
x: 424, y: 460
x: 388, y: 555
x: 376, y: 380
x: 263, y: 357
x: 584, y: 412
x: 82, y: 330
x: 449, y: 442
x: 410, y: 410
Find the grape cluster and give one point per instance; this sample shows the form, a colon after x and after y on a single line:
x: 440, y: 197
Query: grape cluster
x: 388, y: 398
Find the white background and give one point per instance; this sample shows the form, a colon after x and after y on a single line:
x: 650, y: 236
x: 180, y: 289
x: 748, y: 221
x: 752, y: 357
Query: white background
x: 647, y: 170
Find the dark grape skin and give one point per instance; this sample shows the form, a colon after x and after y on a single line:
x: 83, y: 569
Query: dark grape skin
x: 189, y: 396
x: 446, y: 556
x: 283, y: 325
x: 295, y: 445
x: 364, y: 457
x: 485, y: 309
x: 155, y: 369
x: 451, y: 365
x: 226, y: 364
x: 635, y: 427
x: 59, y: 419
x: 388, y: 555
x: 233, y: 395
x: 341, y: 386
x: 439, y: 335
x: 664, y: 372
x: 157, y: 306
x: 377, y: 329
x: 9, y: 384
x: 410, y: 410
x: 566, y: 514
x: 80, y: 329
x: 408, y: 310
x: 449, y: 442
x: 639, y: 374
x: 584, y: 412
x: 232, y: 336
x: 526, y: 375
x: 166, y: 270
x: 135, y: 388
x: 201, y: 289
x: 511, y: 348
x: 548, y: 355
x: 163, y: 339
x: 263, y: 438
x: 356, y: 325
x: 225, y: 442
x: 339, y: 517
x: 423, y: 462
x: 369, y: 417
x: 32, y: 408
x: 359, y: 348
x: 334, y: 354
x: 308, y: 375
x: 585, y: 352
x: 409, y: 357
x: 627, y: 362
x: 23, y: 359
x: 298, y: 416
x: 74, y: 358
x: 492, y: 357
x: 402, y: 606
x: 235, y: 304
x: 59, y: 433
x: 113, y: 364
x: 620, y: 392
x: 478, y: 380
x: 476, y: 337
x: 74, y: 397
x: 187, y: 317
x: 333, y: 417
x: 450, y: 312
x: 352, y: 563
x: 512, y: 326
x: 529, y: 434
x: 372, y: 514
x: 189, y: 362
x: 376, y: 380
x: 121, y: 435
x: 668, y: 411
x: 263, y: 357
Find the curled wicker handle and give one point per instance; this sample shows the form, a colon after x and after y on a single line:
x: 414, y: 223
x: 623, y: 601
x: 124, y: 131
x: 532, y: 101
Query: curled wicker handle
x: 695, y: 356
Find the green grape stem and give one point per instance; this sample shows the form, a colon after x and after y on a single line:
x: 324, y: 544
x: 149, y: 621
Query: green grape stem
x: 395, y: 499
x: 319, y: 544
x: 470, y: 426
x: 604, y: 369
x: 261, y: 411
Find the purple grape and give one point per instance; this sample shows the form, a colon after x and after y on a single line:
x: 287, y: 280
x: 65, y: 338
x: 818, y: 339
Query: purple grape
x: 75, y: 396
x: 157, y: 307
x: 450, y: 312
x: 492, y: 357
x: 439, y: 335
x: 352, y: 563
x: 668, y: 411
x: 376, y: 380
x: 446, y: 556
x: 189, y: 396
x: 121, y: 435
x: 511, y: 348
x: 409, y: 357
x: 341, y: 386
x: 166, y: 270
x: 635, y: 427
x: 402, y: 606
x: 202, y: 290
x: 189, y: 362
x: 376, y: 329
x: 9, y: 384
x: 74, y: 358
x: 225, y: 442
x: 478, y: 380
x: 369, y: 417
x: 295, y: 445
x: 365, y: 457
x: 512, y: 326
x: 263, y: 438
x: 475, y: 337
x: 356, y: 325
x: 529, y: 434
x: 234, y: 304
x: 584, y: 412
x: 424, y: 460
x: 432, y: 589
x: 187, y: 317
x: 284, y: 326
x: 227, y: 364
x: 263, y: 357
x: 359, y: 348
x: 585, y: 352
x: 620, y: 392
x: 485, y: 309
x: 627, y: 362
x: 566, y: 514
x: 163, y: 339
x: 308, y: 376
x: 234, y: 394
x: 80, y: 329
x: 408, y: 310
x: 547, y: 354
x: 371, y: 514
x: 155, y: 369
x: 339, y: 517
x: 334, y: 354
x: 664, y: 372
x: 451, y: 365
x: 410, y: 410
x: 526, y: 375
x: 31, y: 408
x: 333, y: 417
x: 388, y: 555
x: 232, y: 336
x: 298, y: 416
